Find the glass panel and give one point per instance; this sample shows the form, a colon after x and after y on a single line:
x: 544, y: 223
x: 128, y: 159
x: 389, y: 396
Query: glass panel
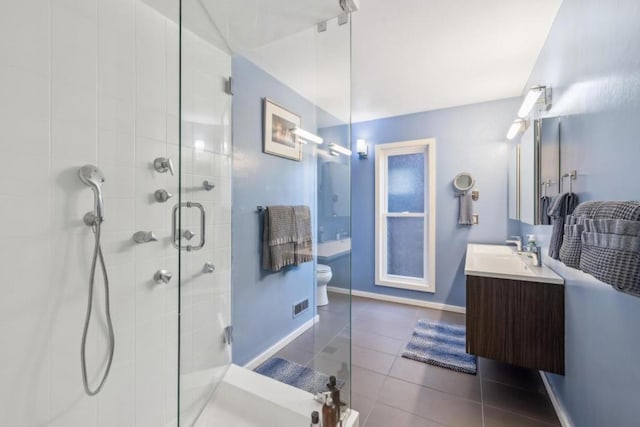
x: 405, y: 246
x: 253, y: 44
x: 405, y: 184
x: 205, y: 179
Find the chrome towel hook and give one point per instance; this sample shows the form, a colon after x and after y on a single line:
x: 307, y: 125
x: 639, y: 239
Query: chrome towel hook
x: 572, y: 176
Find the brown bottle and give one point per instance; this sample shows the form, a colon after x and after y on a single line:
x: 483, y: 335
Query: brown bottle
x: 329, y: 413
x: 335, y: 394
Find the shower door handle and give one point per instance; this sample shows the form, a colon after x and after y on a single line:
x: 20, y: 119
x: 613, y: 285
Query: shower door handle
x: 177, y: 234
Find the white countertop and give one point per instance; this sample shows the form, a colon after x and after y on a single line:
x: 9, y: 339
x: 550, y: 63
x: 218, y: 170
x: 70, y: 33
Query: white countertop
x: 334, y: 248
x: 503, y: 262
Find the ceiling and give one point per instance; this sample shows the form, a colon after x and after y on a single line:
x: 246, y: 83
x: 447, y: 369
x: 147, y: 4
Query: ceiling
x: 432, y: 54
x: 425, y: 55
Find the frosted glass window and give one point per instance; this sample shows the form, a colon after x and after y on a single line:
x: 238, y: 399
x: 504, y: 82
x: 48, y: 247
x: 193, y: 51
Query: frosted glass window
x: 405, y: 229
x: 406, y: 183
x: 405, y: 246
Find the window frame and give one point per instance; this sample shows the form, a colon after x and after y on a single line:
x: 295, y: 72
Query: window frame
x: 382, y: 154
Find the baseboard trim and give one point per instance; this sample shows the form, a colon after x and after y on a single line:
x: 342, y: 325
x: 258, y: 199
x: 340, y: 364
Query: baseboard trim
x: 264, y: 356
x: 399, y: 300
x: 561, y: 411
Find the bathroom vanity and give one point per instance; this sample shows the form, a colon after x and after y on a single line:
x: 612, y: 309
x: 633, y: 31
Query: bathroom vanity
x: 515, y: 309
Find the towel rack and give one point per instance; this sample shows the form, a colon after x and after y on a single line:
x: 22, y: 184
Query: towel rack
x: 572, y: 176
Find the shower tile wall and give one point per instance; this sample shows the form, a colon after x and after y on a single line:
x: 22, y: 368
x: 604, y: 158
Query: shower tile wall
x: 83, y: 81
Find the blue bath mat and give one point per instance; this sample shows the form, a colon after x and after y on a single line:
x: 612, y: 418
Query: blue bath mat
x: 441, y: 344
x: 296, y: 375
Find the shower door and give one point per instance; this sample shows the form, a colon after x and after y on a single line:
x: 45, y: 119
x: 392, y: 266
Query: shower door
x: 233, y: 56
x: 203, y: 212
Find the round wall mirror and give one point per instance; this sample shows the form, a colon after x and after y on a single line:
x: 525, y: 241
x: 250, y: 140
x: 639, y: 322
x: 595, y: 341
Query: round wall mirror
x: 463, y: 181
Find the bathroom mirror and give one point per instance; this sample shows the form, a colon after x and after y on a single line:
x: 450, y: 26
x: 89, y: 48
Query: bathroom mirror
x: 514, y: 183
x: 539, y: 170
x: 463, y: 181
x: 335, y: 195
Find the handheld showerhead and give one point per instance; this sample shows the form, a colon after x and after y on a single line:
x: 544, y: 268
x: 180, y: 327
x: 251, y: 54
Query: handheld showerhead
x: 93, y: 177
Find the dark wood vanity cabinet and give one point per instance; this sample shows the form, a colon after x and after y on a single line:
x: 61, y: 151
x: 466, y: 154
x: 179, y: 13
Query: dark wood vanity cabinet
x: 516, y: 322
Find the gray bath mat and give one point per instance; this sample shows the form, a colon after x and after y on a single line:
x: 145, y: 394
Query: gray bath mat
x: 441, y: 344
x: 296, y: 375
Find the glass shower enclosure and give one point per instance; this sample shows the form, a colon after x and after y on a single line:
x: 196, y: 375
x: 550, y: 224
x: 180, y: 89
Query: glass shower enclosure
x: 251, y: 72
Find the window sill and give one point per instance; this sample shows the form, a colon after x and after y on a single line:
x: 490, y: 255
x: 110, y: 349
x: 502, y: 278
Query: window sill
x: 407, y: 286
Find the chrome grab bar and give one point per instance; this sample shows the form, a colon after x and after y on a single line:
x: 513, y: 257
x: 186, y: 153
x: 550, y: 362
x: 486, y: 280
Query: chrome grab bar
x: 177, y: 234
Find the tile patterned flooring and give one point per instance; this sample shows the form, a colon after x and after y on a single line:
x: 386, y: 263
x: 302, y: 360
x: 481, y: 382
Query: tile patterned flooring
x: 389, y: 390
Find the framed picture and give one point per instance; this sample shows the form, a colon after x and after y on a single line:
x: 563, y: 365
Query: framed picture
x: 278, y: 137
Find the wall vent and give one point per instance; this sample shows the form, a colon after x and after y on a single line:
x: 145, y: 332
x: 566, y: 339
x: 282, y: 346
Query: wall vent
x: 300, y: 307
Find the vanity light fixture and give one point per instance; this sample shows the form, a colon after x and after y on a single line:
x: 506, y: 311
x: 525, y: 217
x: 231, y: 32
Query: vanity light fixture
x: 362, y: 148
x: 305, y: 136
x: 516, y: 127
x: 336, y: 150
x: 536, y: 95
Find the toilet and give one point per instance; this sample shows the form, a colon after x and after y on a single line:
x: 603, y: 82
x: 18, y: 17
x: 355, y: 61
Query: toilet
x: 323, y: 277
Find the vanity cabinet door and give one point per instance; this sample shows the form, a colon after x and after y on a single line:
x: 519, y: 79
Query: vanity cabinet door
x: 516, y: 322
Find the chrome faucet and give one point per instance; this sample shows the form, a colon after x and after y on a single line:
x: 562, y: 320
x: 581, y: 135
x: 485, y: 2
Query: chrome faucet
x: 341, y: 235
x: 538, y: 252
x: 515, y: 241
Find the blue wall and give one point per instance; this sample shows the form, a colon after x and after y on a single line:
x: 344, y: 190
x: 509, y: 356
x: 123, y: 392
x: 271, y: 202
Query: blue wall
x: 262, y: 301
x: 468, y: 139
x: 591, y: 60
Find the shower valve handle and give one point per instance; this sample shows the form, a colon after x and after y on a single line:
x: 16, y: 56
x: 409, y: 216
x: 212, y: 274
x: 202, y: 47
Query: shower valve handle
x: 162, y: 277
x: 163, y: 164
x: 162, y: 195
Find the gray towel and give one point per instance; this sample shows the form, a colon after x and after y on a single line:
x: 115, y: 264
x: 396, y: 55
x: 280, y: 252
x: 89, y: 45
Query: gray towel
x: 303, y: 243
x: 613, y: 259
x: 545, y: 219
x: 465, y: 216
x: 278, y: 238
x: 561, y: 206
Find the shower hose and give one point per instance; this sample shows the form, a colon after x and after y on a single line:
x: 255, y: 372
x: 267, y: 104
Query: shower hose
x: 97, y: 253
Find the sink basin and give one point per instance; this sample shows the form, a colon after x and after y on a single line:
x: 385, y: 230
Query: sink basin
x: 334, y: 248
x: 504, y: 262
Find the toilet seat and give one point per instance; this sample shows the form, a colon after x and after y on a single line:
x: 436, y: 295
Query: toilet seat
x: 322, y: 268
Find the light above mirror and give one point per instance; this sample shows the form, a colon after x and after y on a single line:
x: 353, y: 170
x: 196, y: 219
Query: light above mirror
x: 516, y: 127
x: 336, y: 150
x: 532, y: 98
x: 306, y: 136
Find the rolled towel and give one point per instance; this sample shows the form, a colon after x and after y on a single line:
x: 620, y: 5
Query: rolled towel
x: 465, y: 216
x: 545, y: 219
x: 561, y: 206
